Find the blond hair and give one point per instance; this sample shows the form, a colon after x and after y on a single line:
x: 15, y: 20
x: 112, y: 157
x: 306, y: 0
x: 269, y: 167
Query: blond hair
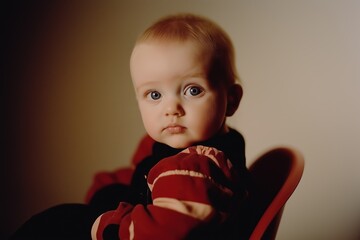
x: 209, y: 36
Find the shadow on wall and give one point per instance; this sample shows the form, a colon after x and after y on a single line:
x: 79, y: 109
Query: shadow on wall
x: 22, y: 21
x: 66, y: 91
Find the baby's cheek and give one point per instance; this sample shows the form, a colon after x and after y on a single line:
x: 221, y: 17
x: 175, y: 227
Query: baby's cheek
x: 151, y: 127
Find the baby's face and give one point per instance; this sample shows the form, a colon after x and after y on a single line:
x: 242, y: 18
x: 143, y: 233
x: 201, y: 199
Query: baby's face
x: 178, y: 105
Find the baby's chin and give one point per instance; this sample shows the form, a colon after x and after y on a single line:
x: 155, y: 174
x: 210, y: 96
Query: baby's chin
x: 179, y: 141
x: 179, y: 144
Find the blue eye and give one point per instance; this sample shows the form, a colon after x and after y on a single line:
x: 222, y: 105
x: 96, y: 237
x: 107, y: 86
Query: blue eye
x: 154, y: 95
x: 193, y: 91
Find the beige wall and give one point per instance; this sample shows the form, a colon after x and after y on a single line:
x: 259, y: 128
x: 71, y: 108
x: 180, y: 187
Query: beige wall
x: 72, y: 112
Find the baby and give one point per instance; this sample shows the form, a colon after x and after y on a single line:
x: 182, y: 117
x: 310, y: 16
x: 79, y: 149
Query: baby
x: 184, y: 77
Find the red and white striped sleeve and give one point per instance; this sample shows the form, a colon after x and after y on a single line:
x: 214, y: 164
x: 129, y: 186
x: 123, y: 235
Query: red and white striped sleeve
x: 189, y: 190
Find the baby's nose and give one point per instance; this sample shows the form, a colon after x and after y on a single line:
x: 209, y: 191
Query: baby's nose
x: 174, y: 108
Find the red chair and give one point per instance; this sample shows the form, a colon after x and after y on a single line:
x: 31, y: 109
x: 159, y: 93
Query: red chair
x: 277, y: 173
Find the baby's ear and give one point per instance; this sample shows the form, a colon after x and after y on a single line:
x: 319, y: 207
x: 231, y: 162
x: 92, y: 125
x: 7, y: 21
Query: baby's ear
x: 234, y: 96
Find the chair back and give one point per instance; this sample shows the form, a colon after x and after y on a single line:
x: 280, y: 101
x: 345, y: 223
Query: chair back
x: 277, y: 174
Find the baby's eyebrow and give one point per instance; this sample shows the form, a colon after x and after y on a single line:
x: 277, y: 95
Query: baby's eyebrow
x: 147, y: 84
x: 195, y: 75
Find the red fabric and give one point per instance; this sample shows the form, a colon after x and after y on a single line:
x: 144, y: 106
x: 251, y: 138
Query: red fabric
x: 113, y: 217
x: 187, y: 191
x: 143, y: 150
x: 121, y: 175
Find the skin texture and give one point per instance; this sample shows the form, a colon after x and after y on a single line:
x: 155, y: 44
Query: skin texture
x: 178, y: 105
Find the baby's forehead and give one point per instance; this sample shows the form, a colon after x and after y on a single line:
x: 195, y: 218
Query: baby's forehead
x: 203, y: 53
x: 150, y: 49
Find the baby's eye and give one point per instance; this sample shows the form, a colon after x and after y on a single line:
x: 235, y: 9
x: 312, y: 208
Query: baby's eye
x: 154, y: 95
x: 193, y: 90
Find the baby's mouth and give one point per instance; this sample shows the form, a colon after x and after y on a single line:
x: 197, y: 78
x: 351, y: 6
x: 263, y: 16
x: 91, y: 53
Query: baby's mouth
x: 174, y: 129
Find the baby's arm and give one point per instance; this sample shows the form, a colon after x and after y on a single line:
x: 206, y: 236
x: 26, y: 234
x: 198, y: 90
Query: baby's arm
x: 189, y: 190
